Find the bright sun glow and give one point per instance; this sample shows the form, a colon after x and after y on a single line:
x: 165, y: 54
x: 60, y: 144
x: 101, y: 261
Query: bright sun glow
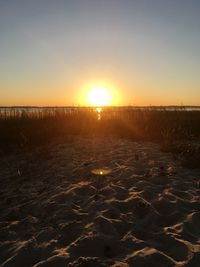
x: 99, y: 96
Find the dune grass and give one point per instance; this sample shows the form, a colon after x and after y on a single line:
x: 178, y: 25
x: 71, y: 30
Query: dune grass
x: 33, y: 127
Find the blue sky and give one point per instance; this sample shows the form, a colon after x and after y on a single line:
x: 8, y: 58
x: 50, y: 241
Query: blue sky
x: 148, y: 50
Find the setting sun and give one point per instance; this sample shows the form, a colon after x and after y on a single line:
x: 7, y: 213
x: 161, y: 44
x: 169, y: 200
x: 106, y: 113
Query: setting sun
x: 99, y: 96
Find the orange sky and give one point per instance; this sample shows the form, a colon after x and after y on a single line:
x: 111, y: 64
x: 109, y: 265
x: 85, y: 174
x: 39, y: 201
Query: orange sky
x: 145, y: 52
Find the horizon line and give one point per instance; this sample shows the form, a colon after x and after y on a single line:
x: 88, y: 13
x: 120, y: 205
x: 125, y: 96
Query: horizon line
x: 110, y: 106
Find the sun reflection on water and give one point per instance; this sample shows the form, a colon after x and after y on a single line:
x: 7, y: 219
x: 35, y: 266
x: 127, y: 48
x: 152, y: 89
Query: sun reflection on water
x: 99, y: 110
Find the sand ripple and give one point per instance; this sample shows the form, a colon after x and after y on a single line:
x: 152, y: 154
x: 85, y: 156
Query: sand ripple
x: 55, y: 212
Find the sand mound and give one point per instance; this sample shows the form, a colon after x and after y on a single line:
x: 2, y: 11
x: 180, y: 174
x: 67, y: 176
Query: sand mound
x: 55, y: 212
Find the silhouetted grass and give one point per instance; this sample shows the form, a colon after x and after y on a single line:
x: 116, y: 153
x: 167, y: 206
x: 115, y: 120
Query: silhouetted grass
x: 33, y: 127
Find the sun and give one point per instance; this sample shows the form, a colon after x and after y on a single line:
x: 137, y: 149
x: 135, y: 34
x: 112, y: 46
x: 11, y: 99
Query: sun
x: 99, y: 96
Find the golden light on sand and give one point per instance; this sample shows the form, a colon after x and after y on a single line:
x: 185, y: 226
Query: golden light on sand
x: 99, y: 96
x: 101, y: 172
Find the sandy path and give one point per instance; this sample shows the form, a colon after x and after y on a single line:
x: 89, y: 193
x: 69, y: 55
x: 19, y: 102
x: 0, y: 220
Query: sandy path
x: 146, y: 213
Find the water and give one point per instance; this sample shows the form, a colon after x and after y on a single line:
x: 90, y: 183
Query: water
x: 18, y: 111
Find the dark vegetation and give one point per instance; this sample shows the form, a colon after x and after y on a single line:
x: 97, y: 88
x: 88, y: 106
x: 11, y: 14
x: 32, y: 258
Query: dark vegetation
x: 175, y: 130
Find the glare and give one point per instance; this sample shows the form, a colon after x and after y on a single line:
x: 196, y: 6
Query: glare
x: 99, y: 110
x: 99, y: 96
x: 101, y: 172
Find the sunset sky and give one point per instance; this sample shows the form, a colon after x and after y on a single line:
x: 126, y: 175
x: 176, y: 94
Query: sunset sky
x: 144, y: 51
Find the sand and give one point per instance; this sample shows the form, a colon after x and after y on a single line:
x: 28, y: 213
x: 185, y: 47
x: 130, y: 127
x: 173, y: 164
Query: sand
x: 54, y: 212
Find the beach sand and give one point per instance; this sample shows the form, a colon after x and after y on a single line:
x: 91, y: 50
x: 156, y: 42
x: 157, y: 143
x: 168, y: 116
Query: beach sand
x: 55, y: 212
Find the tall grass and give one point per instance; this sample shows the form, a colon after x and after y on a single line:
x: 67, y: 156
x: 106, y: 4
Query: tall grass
x: 32, y: 127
